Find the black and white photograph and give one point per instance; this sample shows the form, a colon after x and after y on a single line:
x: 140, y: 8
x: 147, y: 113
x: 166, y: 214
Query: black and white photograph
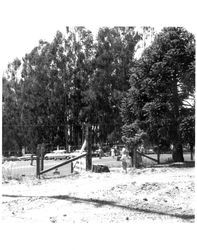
x: 98, y: 120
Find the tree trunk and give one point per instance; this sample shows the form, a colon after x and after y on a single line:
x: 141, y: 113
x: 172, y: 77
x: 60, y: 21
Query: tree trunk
x: 177, y: 152
x: 80, y: 142
x: 75, y: 136
x: 89, y: 148
x: 191, y: 152
x: 71, y: 135
x: 135, y: 158
x: 131, y: 154
x: 158, y: 155
x: 132, y: 162
x: 83, y: 133
x: 66, y: 136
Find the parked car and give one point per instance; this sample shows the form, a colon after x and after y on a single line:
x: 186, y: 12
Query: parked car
x: 4, y: 158
x: 76, y: 153
x: 95, y: 153
x: 57, y: 155
x: 150, y: 151
x: 26, y: 157
x: 12, y: 158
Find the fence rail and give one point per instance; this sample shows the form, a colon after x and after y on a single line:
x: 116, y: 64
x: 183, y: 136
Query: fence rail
x: 150, y: 158
x: 20, y: 169
x: 61, y: 164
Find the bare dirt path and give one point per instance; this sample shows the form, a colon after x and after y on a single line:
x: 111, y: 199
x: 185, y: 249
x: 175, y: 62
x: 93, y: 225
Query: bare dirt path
x: 165, y: 194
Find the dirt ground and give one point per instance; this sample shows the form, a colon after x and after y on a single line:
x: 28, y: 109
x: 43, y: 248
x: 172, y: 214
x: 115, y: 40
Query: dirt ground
x: 149, y: 194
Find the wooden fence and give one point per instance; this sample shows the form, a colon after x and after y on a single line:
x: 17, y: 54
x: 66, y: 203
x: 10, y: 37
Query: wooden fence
x: 40, y: 169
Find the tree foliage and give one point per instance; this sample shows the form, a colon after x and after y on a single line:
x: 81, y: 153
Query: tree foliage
x: 65, y: 83
x: 162, y: 79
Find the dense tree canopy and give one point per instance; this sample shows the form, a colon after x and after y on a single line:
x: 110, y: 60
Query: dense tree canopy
x: 161, y: 82
x: 60, y: 86
x: 65, y: 84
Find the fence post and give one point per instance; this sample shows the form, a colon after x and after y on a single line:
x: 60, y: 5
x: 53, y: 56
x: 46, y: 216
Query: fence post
x: 71, y: 167
x: 42, y: 151
x: 38, y: 166
x: 89, y: 147
x: 32, y: 159
x: 42, y: 163
x: 38, y: 161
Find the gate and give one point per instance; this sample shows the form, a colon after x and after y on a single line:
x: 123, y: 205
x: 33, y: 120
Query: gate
x: 40, y: 171
x: 145, y: 160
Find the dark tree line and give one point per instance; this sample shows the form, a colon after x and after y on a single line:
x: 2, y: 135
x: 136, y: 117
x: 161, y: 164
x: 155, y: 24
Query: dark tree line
x: 60, y: 86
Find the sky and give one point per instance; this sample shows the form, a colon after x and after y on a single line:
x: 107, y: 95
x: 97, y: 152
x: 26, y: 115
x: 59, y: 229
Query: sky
x: 25, y: 22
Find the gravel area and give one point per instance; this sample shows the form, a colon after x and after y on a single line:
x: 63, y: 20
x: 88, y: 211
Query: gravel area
x: 152, y: 194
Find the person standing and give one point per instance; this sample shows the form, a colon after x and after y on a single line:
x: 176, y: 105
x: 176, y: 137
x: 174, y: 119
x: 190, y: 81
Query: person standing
x: 112, y: 152
x: 100, y: 152
x: 123, y: 158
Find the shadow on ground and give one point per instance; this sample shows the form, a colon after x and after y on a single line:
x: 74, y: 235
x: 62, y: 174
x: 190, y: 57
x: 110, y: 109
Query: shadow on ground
x: 100, y: 203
